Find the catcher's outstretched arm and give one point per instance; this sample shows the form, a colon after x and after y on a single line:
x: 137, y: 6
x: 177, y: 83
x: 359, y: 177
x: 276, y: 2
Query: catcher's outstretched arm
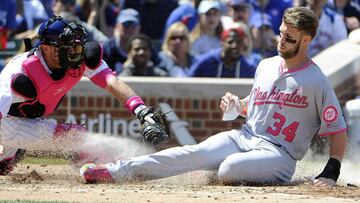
x: 119, y: 89
x: 154, y: 127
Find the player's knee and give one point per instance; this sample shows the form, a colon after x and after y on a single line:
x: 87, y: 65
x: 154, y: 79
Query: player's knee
x: 231, y: 171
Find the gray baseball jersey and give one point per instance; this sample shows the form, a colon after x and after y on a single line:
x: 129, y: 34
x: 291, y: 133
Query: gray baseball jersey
x: 289, y: 107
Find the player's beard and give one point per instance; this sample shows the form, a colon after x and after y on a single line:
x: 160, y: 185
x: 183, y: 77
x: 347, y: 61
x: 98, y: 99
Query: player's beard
x: 291, y: 53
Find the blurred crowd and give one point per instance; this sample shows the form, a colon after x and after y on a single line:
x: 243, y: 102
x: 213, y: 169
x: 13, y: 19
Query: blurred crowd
x: 180, y: 38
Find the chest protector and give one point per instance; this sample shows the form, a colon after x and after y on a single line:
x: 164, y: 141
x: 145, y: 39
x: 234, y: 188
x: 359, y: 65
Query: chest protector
x: 43, y: 94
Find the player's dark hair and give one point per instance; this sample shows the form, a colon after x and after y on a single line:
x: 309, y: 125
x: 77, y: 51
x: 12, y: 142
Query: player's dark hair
x: 303, y: 19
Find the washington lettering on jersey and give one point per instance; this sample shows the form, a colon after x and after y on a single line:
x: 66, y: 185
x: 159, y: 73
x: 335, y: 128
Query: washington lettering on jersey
x: 282, y: 98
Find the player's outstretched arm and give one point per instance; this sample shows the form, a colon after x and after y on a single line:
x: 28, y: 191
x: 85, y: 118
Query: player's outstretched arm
x: 331, y: 172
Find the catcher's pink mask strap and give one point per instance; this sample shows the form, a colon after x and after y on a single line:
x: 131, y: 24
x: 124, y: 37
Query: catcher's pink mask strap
x: 133, y: 102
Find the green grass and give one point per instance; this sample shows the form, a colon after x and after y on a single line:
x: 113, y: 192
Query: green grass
x: 44, y: 160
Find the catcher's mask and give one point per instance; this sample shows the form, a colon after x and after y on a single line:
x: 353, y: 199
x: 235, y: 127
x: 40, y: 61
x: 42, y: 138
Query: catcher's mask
x: 69, y: 40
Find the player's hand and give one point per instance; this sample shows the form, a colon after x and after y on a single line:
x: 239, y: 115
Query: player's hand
x: 324, y: 182
x: 227, y: 102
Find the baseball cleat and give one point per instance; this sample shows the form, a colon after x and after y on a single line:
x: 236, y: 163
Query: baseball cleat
x: 10, y: 159
x: 92, y: 173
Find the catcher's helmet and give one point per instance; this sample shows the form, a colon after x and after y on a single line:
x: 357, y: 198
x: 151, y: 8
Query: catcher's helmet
x: 68, y: 38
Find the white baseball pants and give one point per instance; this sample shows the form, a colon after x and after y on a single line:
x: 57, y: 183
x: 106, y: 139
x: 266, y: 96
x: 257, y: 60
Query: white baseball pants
x: 36, y: 134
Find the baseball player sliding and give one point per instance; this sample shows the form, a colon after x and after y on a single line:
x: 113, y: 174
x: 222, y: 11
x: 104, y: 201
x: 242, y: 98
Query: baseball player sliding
x: 290, y: 101
x: 33, y: 83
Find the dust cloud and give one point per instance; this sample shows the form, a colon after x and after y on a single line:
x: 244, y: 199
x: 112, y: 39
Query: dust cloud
x: 312, y: 165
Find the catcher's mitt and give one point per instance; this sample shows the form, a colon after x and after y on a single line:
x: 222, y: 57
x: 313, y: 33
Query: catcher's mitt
x: 154, y: 127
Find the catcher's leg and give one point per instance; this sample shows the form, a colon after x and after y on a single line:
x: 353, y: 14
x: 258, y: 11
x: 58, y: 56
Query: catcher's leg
x: 206, y: 155
x: 41, y: 135
x: 9, y: 159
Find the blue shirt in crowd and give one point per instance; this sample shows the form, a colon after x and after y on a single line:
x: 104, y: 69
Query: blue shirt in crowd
x: 8, y: 14
x: 153, y: 15
x: 275, y: 9
x: 114, y: 55
x: 211, y: 65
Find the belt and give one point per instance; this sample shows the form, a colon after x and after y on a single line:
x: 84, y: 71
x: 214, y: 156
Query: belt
x: 281, y: 147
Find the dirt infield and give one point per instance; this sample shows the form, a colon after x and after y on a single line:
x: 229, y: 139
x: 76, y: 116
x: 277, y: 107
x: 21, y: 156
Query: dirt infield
x: 59, y: 183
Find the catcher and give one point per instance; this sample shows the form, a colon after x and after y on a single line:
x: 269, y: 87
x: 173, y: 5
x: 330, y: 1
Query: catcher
x: 33, y: 84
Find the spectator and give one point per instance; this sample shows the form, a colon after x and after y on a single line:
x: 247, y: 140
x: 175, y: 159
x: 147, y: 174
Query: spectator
x: 128, y: 25
x: 7, y: 20
x: 265, y: 40
x: 331, y: 29
x: 153, y: 15
x: 66, y: 9
x: 175, y: 55
x: 86, y: 11
x: 274, y: 8
x: 238, y: 11
x: 206, y: 34
x: 138, y: 62
x: 185, y: 13
x: 350, y: 9
x: 111, y: 12
x: 229, y: 61
x: 48, y: 6
x: 251, y: 57
x: 7, y: 23
x: 33, y: 13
